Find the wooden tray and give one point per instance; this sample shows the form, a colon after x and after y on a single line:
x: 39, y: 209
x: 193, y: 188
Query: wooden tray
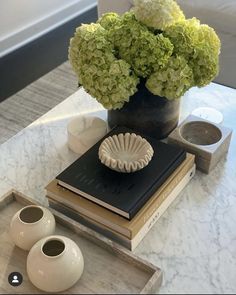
x: 108, y: 267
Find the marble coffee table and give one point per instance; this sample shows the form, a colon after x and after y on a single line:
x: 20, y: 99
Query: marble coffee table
x: 194, y: 243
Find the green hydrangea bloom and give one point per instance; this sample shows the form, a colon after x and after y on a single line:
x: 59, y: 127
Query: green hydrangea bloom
x: 158, y: 14
x: 183, y: 35
x: 109, y: 20
x: 205, y: 63
x: 200, y: 46
x: 154, y: 42
x: 108, y: 79
x: 135, y: 44
x: 173, y: 80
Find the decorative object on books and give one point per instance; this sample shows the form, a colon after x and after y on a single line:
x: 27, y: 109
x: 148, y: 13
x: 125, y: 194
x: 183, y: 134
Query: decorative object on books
x: 208, y: 141
x: 127, y: 228
x: 55, y: 264
x: 31, y: 224
x: 122, y: 193
x: 151, y: 51
x: 105, y: 261
x: 84, y: 132
x: 127, y: 233
x: 125, y: 152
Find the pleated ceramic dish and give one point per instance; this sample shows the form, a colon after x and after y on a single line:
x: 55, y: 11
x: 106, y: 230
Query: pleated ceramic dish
x: 125, y: 153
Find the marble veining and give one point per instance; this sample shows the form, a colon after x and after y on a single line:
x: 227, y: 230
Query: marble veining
x: 195, y: 241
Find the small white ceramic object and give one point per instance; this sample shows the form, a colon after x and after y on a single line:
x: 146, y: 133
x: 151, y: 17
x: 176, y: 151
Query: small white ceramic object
x: 55, y: 264
x: 31, y: 224
x: 84, y: 132
x: 209, y: 114
x: 125, y: 152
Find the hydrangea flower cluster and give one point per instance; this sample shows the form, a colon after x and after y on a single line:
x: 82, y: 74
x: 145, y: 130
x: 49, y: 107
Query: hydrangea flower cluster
x: 158, y: 14
x: 173, y: 80
x: 110, y: 80
x: 199, y: 45
x: 135, y: 44
x: 154, y: 41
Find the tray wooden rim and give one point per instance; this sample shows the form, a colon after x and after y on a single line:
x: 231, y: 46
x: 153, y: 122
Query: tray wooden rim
x: 155, y: 280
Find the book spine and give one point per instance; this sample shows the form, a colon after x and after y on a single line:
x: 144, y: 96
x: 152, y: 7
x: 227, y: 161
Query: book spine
x: 162, y: 209
x: 153, y: 189
x: 123, y: 241
x: 85, y: 211
x: 158, y: 200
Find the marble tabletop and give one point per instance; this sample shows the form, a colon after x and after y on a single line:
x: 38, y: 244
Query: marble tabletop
x: 194, y: 242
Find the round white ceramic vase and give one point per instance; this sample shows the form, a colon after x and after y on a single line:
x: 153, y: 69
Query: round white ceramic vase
x: 31, y: 224
x: 55, y: 264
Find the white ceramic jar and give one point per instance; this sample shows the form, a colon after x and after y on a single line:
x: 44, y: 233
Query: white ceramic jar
x: 84, y: 132
x: 31, y: 224
x: 55, y: 264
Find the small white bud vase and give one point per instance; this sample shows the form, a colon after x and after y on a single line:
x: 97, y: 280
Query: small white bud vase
x: 55, y: 264
x: 31, y: 224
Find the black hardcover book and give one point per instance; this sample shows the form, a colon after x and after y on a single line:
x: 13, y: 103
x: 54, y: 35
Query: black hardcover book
x: 122, y: 193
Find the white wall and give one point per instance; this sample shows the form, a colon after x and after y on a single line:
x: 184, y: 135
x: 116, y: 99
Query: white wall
x: 24, y: 20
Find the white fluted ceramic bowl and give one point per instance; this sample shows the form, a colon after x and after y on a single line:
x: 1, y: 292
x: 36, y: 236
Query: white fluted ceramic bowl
x: 125, y: 152
x: 31, y: 224
x: 55, y: 264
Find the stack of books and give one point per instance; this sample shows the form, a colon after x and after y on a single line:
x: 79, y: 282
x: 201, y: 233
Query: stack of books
x: 122, y: 207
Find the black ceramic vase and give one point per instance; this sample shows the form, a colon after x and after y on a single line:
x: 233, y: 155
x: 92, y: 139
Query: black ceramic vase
x: 147, y: 113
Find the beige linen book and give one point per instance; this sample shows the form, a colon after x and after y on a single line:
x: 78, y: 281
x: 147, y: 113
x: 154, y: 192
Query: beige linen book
x: 130, y: 244
x: 128, y: 228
